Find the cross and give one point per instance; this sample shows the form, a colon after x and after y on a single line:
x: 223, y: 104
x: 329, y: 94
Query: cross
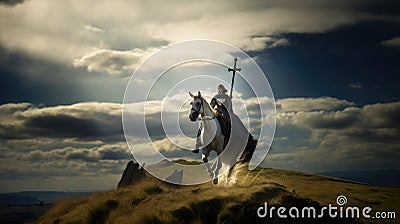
x: 234, y: 70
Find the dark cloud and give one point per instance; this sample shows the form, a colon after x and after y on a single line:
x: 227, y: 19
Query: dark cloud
x: 379, y: 120
x: 64, y: 162
x: 384, y: 7
x: 64, y: 126
x: 98, y: 121
x: 311, y: 104
x: 365, y: 137
x: 82, y: 155
x: 78, y: 140
x: 11, y: 2
x: 114, y: 153
x: 324, y: 64
x: 28, y: 78
x: 82, y: 124
x: 81, y: 139
x: 333, y: 120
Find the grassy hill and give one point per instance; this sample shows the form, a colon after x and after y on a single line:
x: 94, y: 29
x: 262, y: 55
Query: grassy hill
x: 152, y: 201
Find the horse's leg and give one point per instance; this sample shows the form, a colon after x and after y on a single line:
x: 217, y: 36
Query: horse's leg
x: 219, y: 164
x: 198, y: 139
x: 216, y: 171
x: 204, y: 156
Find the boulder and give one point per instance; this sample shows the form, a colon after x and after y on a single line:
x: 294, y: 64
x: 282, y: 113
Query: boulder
x: 132, y: 174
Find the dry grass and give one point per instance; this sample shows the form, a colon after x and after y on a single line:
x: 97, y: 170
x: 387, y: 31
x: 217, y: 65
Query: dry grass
x: 151, y: 201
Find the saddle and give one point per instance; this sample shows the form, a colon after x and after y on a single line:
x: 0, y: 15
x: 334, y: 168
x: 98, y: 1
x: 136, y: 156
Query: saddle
x: 223, y: 118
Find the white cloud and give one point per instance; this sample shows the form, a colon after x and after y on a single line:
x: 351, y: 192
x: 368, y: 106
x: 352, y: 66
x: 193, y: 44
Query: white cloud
x: 92, y: 28
x: 113, y: 62
x: 311, y: 104
x: 255, y: 43
x: 280, y: 43
x: 394, y: 42
x: 321, y: 119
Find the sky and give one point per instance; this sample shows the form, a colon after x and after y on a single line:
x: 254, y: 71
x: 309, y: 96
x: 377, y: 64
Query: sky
x: 64, y: 66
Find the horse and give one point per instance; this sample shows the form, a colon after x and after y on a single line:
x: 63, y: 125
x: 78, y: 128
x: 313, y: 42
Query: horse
x: 212, y: 138
x: 211, y: 132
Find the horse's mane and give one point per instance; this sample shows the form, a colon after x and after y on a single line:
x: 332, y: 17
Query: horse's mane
x: 215, y: 112
x: 214, y: 102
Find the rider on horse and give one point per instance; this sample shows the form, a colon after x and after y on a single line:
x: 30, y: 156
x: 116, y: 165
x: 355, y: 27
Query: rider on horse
x: 223, y: 103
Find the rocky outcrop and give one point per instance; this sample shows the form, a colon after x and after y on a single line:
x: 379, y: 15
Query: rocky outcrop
x: 132, y: 174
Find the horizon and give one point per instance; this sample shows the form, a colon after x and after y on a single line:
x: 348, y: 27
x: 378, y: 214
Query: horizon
x: 334, y: 173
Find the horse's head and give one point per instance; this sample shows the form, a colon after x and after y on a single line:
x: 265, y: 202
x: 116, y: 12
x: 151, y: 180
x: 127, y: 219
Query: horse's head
x: 197, y: 106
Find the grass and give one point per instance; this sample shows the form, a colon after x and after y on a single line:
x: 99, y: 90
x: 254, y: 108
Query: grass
x: 100, y: 213
x: 21, y: 214
x: 151, y: 201
x: 153, y: 190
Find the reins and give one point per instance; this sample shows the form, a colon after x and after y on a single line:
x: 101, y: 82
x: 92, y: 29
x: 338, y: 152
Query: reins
x: 198, y: 111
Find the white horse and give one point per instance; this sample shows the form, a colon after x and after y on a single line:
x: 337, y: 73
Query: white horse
x: 212, y: 139
x: 211, y: 132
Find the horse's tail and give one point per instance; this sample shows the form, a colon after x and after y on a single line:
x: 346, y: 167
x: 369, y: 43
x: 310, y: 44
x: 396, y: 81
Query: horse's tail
x: 247, y: 153
x: 249, y: 150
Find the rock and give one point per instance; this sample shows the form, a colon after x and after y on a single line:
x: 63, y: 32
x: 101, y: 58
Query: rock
x: 132, y: 174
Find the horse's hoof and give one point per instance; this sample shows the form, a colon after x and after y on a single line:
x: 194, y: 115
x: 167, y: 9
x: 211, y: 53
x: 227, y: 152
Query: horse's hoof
x: 196, y: 151
x: 215, y: 181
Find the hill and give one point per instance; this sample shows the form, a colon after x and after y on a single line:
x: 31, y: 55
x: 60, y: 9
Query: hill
x: 152, y: 201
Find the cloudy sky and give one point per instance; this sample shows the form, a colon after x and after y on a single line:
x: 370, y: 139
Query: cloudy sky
x: 64, y: 66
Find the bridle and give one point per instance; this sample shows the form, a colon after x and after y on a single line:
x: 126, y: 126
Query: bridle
x: 198, y: 109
